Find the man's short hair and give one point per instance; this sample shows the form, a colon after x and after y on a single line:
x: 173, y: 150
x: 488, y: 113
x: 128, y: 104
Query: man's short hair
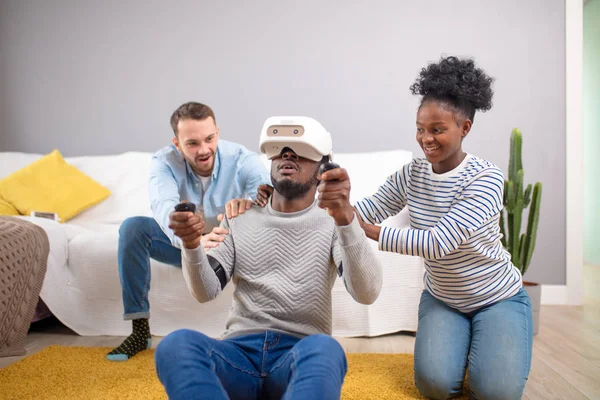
x: 191, y: 110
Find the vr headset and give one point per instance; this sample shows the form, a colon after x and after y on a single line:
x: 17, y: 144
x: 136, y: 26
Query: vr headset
x: 304, y: 135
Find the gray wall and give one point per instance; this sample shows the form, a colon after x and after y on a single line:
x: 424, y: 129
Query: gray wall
x: 102, y: 77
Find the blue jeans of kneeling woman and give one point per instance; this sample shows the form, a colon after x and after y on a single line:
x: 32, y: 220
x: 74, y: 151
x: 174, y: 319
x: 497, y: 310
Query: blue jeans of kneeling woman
x: 269, y: 365
x: 494, y: 342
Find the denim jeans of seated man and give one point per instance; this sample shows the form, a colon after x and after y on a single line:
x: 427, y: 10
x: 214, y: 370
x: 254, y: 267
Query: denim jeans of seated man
x: 141, y: 238
x: 269, y: 365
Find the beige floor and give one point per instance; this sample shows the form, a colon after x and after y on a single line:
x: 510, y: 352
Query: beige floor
x: 566, y: 353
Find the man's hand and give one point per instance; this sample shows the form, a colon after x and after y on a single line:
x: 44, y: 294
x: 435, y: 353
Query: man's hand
x: 334, y: 196
x: 188, y: 227
x: 262, y: 195
x: 214, y: 238
x: 234, y: 207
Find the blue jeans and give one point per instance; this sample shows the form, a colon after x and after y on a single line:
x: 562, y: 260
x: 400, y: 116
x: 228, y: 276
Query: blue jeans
x: 494, y: 342
x: 141, y: 238
x: 268, y: 365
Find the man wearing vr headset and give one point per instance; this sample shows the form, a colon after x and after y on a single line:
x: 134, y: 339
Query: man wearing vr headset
x: 283, y: 259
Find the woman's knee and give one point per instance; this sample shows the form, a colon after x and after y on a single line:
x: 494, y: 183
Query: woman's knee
x: 437, y: 382
x: 497, y: 387
x: 440, y: 364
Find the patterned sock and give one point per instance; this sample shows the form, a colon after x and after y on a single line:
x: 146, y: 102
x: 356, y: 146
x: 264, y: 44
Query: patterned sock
x: 139, y: 340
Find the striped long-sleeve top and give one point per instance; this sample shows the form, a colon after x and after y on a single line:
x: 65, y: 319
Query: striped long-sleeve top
x: 453, y: 226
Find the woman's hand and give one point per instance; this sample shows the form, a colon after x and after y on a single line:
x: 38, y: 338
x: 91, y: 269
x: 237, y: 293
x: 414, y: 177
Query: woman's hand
x: 214, y: 238
x: 262, y: 195
x: 372, y: 231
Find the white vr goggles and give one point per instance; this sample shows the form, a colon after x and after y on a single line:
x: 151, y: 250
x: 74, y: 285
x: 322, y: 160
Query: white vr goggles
x: 304, y: 135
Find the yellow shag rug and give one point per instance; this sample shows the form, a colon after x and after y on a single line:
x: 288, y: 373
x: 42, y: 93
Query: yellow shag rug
x: 59, y: 372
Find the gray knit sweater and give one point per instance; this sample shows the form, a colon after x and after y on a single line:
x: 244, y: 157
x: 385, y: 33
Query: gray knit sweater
x: 284, y: 266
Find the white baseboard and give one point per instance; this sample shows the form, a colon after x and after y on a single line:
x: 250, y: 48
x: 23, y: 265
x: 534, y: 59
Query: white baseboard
x: 555, y: 295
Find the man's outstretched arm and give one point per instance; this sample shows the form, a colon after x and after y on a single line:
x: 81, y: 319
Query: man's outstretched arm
x: 204, y: 276
x: 357, y: 263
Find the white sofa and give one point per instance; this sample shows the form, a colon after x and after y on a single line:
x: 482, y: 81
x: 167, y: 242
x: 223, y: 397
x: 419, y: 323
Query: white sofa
x: 82, y: 287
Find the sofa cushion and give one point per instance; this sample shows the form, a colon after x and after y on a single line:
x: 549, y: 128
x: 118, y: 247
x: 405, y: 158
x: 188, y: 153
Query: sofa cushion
x: 50, y: 184
x: 367, y: 172
x: 126, y: 176
x: 12, y: 161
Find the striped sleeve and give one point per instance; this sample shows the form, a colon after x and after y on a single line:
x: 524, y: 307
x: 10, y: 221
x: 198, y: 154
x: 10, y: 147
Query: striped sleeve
x: 479, y: 202
x: 389, y: 199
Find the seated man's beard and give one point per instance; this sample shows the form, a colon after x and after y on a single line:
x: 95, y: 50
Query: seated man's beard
x: 293, y: 190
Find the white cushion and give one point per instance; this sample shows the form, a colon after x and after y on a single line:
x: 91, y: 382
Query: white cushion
x: 126, y: 176
x: 13, y: 161
x: 367, y: 172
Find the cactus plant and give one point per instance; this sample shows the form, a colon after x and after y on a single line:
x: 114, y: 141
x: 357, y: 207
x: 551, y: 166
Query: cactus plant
x: 516, y: 200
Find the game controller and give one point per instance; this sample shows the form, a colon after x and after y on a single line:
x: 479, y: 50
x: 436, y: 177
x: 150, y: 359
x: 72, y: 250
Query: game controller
x: 191, y: 207
x: 326, y: 167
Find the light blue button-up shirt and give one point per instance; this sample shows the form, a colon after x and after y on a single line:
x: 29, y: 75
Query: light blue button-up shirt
x: 237, y: 173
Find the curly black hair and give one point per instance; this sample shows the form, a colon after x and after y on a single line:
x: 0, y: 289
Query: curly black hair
x: 457, y: 83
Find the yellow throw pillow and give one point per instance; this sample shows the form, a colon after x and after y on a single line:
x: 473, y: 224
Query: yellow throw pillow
x: 50, y: 184
x: 6, y: 208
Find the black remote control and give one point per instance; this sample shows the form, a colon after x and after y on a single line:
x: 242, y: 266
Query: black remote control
x: 326, y: 167
x: 191, y: 207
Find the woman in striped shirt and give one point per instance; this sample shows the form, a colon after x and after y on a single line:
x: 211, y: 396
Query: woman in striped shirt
x: 474, y: 311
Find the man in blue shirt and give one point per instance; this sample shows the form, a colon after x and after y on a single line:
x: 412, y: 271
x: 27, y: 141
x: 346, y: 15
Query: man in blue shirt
x: 198, y: 168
